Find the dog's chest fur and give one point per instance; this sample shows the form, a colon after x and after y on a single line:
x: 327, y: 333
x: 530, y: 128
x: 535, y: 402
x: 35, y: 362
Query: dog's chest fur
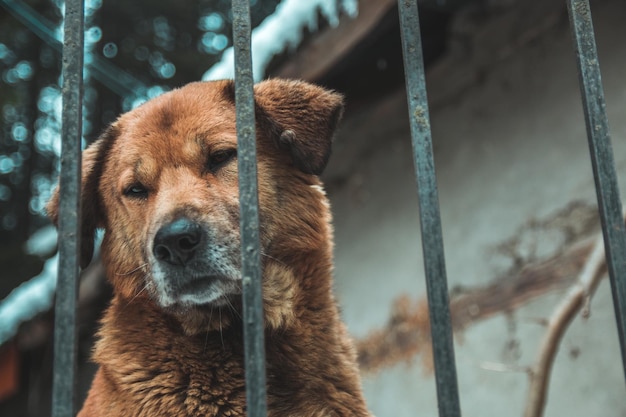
x: 171, y: 374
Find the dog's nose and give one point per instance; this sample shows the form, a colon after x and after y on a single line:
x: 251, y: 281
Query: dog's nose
x: 176, y: 242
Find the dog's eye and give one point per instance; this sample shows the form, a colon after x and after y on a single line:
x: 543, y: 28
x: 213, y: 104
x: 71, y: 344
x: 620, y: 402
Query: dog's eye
x: 136, y: 191
x: 220, y: 158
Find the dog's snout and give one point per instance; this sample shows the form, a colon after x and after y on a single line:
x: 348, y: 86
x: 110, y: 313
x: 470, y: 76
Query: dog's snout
x: 176, y: 242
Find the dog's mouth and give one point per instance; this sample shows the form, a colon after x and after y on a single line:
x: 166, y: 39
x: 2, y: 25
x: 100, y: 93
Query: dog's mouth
x: 212, y: 290
x: 198, y: 285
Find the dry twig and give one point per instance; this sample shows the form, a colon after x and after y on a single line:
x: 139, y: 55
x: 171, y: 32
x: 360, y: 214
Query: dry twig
x: 577, y: 299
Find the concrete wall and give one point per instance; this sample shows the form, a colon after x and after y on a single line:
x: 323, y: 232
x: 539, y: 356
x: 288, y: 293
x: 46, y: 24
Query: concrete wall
x: 510, y: 149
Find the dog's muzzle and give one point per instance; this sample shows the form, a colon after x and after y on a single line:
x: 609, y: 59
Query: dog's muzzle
x: 190, y: 267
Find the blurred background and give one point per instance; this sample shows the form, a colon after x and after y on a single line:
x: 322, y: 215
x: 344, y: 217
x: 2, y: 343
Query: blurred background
x: 516, y: 190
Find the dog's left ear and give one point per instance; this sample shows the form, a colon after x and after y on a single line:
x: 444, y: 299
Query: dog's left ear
x: 302, y: 118
x: 92, y: 212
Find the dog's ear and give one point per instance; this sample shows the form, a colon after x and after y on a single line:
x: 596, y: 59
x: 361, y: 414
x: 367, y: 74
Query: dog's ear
x: 302, y: 119
x: 92, y: 213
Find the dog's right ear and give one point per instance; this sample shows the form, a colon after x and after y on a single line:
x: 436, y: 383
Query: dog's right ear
x: 92, y: 213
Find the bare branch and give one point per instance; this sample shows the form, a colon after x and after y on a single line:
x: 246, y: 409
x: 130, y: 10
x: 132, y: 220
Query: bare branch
x: 576, y: 299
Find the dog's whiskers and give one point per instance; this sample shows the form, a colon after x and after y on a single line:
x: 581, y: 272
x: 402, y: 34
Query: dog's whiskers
x: 206, y: 339
x: 145, y: 287
x: 231, y: 307
x: 221, y: 334
x: 132, y: 270
x: 208, y: 330
x: 273, y: 259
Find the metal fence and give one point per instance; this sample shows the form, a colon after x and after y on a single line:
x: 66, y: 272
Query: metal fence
x: 613, y: 229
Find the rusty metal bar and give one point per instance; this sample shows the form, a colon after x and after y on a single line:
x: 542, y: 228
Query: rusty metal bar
x: 430, y: 220
x: 601, y: 151
x: 64, y: 373
x: 249, y: 213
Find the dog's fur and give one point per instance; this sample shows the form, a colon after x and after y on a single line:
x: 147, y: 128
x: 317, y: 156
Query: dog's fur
x: 171, y: 341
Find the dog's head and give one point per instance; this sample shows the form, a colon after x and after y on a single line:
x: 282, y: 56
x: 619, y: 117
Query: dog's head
x: 162, y: 183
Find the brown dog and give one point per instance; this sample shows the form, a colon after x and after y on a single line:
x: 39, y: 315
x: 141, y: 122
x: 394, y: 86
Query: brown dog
x: 162, y: 183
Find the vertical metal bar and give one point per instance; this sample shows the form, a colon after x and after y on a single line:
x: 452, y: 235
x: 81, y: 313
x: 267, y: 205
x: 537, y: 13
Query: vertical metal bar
x: 601, y: 151
x: 432, y: 240
x: 249, y: 213
x: 64, y: 373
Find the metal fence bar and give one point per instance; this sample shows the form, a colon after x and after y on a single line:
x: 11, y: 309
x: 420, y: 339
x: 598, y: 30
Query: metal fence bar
x: 601, y: 152
x: 432, y: 240
x: 249, y: 213
x: 64, y: 373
